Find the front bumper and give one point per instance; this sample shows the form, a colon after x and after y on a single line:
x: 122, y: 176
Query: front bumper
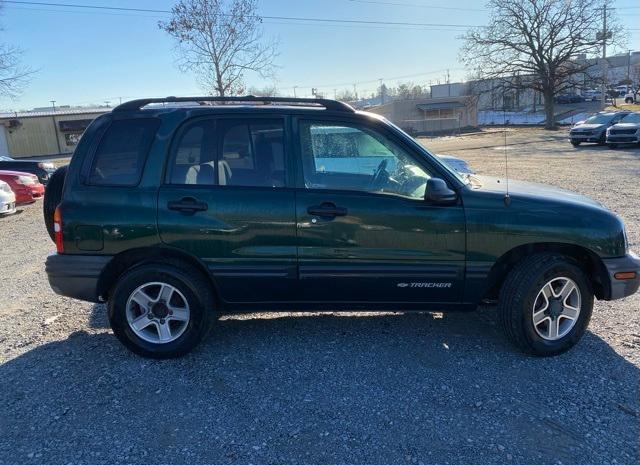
x: 7, y: 207
x: 623, y: 138
x: 593, y: 136
x: 76, y: 276
x: 620, y: 288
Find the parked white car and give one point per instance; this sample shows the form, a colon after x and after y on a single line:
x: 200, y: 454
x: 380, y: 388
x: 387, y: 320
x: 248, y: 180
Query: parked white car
x: 7, y: 199
x: 592, y: 95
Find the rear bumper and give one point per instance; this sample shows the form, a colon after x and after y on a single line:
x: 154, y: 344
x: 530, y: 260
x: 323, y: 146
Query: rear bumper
x: 620, y: 288
x: 76, y: 276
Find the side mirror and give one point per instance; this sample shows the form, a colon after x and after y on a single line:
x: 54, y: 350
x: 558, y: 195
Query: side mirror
x: 438, y: 192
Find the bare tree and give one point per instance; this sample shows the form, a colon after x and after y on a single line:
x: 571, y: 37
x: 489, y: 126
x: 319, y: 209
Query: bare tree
x: 536, y: 44
x: 266, y: 91
x: 409, y: 91
x: 14, y: 76
x: 220, y: 40
x: 346, y: 95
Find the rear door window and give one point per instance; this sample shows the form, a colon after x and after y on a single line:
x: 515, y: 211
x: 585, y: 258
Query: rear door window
x: 252, y: 154
x: 122, y: 152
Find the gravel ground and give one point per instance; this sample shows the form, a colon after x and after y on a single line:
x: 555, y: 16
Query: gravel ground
x: 366, y: 388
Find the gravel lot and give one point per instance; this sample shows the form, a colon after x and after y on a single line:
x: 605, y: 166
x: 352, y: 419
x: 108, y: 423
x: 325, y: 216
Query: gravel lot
x: 369, y: 388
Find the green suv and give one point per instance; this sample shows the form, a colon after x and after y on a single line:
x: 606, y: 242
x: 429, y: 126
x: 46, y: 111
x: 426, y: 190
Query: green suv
x: 176, y: 210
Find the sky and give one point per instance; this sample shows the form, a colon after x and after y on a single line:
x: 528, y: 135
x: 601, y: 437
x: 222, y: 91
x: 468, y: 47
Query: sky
x: 84, y: 57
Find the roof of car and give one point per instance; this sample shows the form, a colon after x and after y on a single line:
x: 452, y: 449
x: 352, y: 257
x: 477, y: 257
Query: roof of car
x: 226, y: 103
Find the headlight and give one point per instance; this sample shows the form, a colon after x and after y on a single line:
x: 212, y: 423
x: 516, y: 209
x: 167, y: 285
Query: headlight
x: 25, y: 180
x: 625, y: 239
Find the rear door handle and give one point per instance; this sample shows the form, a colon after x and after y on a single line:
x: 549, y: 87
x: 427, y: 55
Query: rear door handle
x: 326, y: 210
x: 187, y: 205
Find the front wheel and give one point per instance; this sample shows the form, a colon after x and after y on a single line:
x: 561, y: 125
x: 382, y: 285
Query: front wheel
x: 575, y: 143
x: 161, y: 310
x: 545, y: 304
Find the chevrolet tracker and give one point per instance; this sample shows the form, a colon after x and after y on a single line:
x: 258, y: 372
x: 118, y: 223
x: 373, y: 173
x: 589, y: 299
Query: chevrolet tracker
x: 176, y: 210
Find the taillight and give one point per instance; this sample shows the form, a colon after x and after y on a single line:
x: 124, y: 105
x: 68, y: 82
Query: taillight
x: 57, y: 230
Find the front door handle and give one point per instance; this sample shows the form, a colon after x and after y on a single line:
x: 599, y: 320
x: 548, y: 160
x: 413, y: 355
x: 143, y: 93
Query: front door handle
x: 326, y: 210
x: 187, y: 205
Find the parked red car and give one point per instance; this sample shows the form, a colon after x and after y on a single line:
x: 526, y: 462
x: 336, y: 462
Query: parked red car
x: 25, y: 185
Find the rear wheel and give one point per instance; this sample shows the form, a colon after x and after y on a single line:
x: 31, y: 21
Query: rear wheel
x: 575, y: 143
x: 52, y: 197
x: 545, y: 304
x: 161, y: 310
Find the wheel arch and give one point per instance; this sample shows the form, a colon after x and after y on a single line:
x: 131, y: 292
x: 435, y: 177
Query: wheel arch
x: 587, y: 260
x: 128, y: 259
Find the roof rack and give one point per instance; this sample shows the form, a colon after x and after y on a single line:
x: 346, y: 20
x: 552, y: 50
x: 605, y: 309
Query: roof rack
x: 331, y: 105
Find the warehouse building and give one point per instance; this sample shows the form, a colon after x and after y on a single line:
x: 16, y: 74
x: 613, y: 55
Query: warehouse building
x: 424, y: 116
x: 44, y: 133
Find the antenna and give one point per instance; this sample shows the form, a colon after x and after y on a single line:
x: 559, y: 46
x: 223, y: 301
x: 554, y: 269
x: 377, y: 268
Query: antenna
x: 507, y: 198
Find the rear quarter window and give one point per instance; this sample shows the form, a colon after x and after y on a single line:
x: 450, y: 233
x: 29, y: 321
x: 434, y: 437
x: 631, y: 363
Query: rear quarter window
x: 122, y: 152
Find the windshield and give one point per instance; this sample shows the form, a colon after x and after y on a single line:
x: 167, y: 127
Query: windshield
x: 631, y: 118
x: 463, y: 178
x: 598, y: 119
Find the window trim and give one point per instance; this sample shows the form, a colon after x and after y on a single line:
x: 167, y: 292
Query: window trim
x: 86, y: 173
x: 357, y: 124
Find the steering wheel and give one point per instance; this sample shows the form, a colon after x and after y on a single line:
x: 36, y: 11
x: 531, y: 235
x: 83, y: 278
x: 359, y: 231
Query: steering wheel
x: 379, y: 173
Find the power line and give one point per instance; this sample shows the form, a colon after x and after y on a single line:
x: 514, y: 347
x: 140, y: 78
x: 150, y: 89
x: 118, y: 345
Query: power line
x: 278, y: 18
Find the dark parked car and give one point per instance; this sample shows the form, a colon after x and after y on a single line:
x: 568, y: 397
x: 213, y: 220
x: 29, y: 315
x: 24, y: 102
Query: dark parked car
x: 594, y: 128
x: 43, y: 170
x: 174, y: 214
x: 568, y: 98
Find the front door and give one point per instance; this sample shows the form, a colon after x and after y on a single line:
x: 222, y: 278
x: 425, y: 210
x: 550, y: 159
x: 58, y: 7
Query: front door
x: 227, y: 201
x: 365, y: 232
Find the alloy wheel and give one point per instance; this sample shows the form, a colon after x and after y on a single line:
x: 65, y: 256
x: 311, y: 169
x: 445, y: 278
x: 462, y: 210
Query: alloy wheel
x: 556, y: 308
x: 157, y: 312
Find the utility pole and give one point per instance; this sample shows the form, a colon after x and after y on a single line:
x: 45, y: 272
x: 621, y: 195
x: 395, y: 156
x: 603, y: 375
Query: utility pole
x: 448, y: 84
x: 55, y: 126
x: 628, y: 69
x: 294, y: 91
x: 605, y: 35
x: 355, y: 91
x: 381, y: 93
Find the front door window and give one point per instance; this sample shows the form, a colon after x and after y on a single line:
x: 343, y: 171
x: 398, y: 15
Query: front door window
x: 352, y: 158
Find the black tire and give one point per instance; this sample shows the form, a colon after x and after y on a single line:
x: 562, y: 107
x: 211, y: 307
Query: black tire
x: 192, y: 284
x: 628, y: 100
x: 602, y: 139
x: 575, y: 143
x: 52, y: 197
x: 517, y: 299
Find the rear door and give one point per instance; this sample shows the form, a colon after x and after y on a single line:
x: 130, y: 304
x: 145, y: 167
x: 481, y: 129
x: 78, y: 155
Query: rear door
x: 365, y: 232
x: 227, y: 200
